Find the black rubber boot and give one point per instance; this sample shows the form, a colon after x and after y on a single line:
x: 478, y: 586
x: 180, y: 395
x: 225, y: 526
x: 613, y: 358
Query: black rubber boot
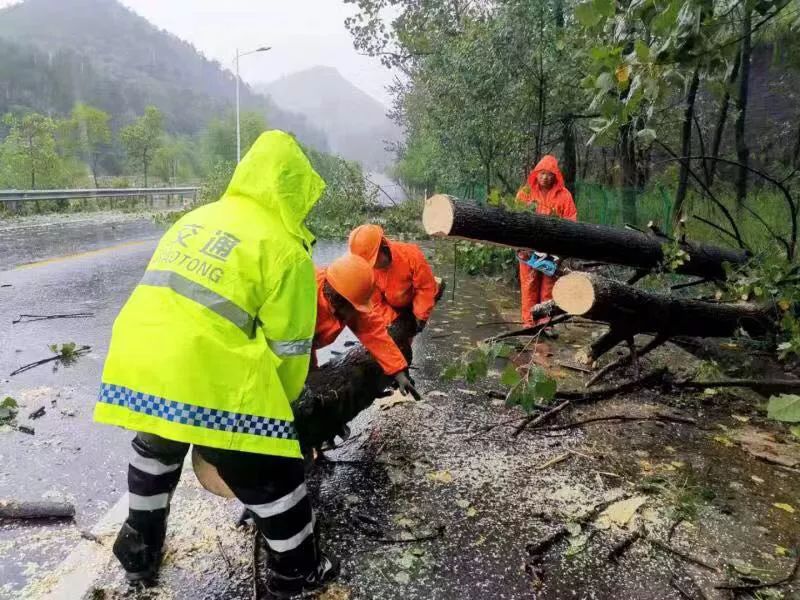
x: 327, y: 570
x: 140, y: 560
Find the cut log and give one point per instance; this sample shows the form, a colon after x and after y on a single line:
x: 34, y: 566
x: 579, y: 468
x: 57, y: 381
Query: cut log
x: 446, y: 216
x: 339, y: 390
x: 630, y: 310
x: 12, y: 509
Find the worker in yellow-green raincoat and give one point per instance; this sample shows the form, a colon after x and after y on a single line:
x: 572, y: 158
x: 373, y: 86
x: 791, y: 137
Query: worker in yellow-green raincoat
x: 211, y: 349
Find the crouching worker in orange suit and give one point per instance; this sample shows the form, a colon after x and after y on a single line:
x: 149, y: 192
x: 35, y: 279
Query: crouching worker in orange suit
x: 403, y: 277
x: 344, y: 299
x: 545, y: 190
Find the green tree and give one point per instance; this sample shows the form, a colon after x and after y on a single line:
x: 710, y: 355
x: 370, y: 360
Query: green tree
x: 29, y: 152
x: 89, y: 133
x: 220, y: 136
x: 143, y: 138
x: 176, y: 160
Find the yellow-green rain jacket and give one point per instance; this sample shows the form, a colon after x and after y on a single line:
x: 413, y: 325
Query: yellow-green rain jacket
x: 214, y: 343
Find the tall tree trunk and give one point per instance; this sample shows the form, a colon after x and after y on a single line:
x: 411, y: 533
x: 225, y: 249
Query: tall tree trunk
x: 742, y: 152
x: 686, y: 147
x: 722, y: 119
x: 94, y: 170
x: 796, y: 152
x: 144, y: 164
x: 629, y: 172
x: 558, y: 10
x: 570, y: 158
x: 33, y: 162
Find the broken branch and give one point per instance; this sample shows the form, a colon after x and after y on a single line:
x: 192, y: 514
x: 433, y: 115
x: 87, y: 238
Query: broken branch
x: 661, y: 418
x: 12, y: 509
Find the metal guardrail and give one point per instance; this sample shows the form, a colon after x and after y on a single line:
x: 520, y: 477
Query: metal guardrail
x: 33, y: 195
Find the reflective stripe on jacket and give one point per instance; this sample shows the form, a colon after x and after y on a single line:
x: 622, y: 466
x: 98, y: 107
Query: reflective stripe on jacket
x: 214, y: 343
x: 407, y: 282
x: 369, y: 328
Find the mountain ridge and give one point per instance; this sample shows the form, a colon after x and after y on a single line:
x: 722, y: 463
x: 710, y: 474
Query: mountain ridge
x: 355, y: 123
x: 59, y: 52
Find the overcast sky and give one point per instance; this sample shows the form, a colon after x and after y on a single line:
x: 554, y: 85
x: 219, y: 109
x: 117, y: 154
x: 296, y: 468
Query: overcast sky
x: 302, y: 33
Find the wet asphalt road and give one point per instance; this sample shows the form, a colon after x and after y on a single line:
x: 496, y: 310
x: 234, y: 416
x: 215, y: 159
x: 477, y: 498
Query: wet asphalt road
x: 86, y: 266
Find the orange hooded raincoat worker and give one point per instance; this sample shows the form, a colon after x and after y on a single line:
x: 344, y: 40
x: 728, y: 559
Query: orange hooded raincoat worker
x: 537, y: 287
x: 407, y: 282
x: 369, y: 328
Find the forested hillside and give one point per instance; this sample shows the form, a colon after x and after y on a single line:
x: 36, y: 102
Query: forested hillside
x: 59, y: 52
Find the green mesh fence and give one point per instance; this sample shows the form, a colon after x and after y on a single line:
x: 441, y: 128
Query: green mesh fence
x: 601, y: 204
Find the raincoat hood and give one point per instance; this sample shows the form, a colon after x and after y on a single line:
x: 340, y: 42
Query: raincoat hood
x: 548, y: 163
x: 277, y: 175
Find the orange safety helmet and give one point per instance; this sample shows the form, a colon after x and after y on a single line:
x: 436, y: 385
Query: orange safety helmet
x: 365, y: 241
x: 351, y: 277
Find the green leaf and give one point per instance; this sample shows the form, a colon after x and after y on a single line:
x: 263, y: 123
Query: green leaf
x: 605, y: 82
x: 605, y: 8
x: 504, y: 350
x: 514, y: 397
x: 527, y: 399
x: 546, y: 389
x: 785, y: 407
x: 451, y: 372
x: 510, y: 376
x: 795, y: 431
x: 646, y: 136
x: 475, y: 370
x: 53, y: 348
x: 587, y: 15
x: 642, y: 51
x: 8, y: 409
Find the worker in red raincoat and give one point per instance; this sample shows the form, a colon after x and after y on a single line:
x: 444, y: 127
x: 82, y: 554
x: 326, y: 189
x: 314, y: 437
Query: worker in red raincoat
x: 344, y: 299
x: 546, y: 192
x: 403, y: 277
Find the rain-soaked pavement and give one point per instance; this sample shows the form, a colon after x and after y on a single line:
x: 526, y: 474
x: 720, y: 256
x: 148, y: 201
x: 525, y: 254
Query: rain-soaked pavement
x: 429, y: 500
x: 87, y: 265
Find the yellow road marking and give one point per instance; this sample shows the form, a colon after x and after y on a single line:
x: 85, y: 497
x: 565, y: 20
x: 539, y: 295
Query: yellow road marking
x: 58, y: 259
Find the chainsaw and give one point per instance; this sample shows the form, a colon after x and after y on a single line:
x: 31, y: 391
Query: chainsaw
x: 545, y: 263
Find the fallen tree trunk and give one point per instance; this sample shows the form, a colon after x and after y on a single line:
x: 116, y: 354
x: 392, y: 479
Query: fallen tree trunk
x: 445, y: 216
x: 630, y: 310
x: 339, y: 390
x: 333, y: 396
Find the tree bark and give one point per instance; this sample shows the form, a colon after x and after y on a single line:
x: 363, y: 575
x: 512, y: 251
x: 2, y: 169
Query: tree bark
x: 742, y: 151
x: 634, y: 310
x: 570, y: 158
x: 629, y: 173
x: 686, y: 147
x: 722, y: 119
x: 336, y: 392
x: 12, y: 509
x: 796, y: 152
x: 447, y: 216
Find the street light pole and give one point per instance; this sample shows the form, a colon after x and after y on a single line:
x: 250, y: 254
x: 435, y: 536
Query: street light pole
x: 238, y: 121
x: 238, y: 106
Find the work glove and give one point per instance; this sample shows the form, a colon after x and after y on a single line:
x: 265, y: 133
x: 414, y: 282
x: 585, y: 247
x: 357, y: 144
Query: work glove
x: 406, y: 385
x: 421, y: 324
